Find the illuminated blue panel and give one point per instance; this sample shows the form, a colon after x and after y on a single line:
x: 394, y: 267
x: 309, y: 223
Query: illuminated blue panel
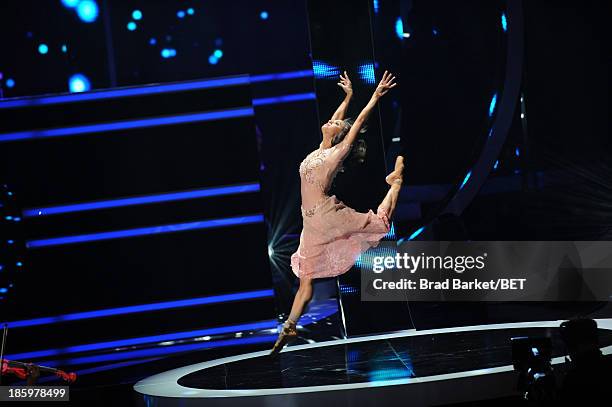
x: 142, y: 200
x: 281, y: 76
x: 79, y: 83
x: 366, y: 72
x: 465, y: 180
x: 284, y: 99
x: 191, y: 302
x: 399, y: 28
x: 151, y: 230
x: 492, y: 104
x: 271, y: 324
x: 162, y: 350
x: 87, y: 10
x: 504, y: 22
x: 129, y: 124
x: 324, y: 70
x: 127, y: 92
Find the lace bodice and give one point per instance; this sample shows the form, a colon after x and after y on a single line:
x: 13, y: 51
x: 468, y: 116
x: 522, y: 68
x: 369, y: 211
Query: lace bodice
x: 317, y: 172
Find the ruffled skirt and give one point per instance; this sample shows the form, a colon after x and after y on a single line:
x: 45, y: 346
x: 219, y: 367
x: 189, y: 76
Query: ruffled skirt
x: 333, y: 238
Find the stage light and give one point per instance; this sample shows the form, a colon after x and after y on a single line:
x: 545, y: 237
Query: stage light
x: 270, y: 251
x: 87, y: 10
x: 465, y: 180
x: 64, y: 48
x: 324, y: 71
x: 496, y: 165
x: 19, y: 264
x: 504, y: 22
x: 492, y: 105
x: 168, y: 53
x: 3, y: 290
x: 137, y: 15
x: 218, y: 53
x: 79, y: 83
x: 517, y: 152
x: 416, y: 233
x: 263, y: 15
x: 180, y: 14
x: 522, y: 115
x: 70, y: 3
x: 152, y: 41
x: 213, y: 60
x: 43, y: 49
x: 8, y: 217
x: 10, y: 241
x: 190, y: 11
x: 10, y: 83
x: 376, y: 6
x: 435, y: 32
x: 366, y: 72
x: 131, y: 26
x: 399, y: 28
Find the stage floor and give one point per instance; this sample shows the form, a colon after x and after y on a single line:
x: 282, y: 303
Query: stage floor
x: 402, y: 361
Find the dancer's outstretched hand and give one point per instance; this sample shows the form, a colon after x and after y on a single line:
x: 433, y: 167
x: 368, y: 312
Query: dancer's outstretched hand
x: 385, y: 84
x: 345, y: 84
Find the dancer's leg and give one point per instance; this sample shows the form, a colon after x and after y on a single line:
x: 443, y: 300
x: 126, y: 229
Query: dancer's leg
x: 302, y: 298
x: 395, y: 180
x: 289, y: 331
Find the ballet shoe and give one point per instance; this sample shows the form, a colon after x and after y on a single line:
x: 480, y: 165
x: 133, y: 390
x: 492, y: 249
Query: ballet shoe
x: 396, y: 177
x: 287, y: 335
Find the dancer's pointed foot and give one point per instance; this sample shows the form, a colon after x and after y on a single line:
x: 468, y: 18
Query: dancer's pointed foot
x: 287, y: 335
x: 397, y: 176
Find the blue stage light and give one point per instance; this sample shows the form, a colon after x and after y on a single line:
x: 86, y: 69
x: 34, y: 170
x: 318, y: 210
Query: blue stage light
x: 264, y: 15
x: 180, y: 14
x: 375, y: 6
x: 10, y: 83
x: 19, y: 264
x: 131, y: 26
x: 129, y: 124
x: 213, y: 60
x: 190, y: 11
x: 465, y: 180
x: 253, y: 326
x: 218, y: 53
x: 70, y: 3
x: 43, y: 49
x: 87, y: 10
x: 517, y: 152
x: 64, y: 48
x: 3, y: 290
x: 132, y: 309
x: 298, y: 97
x: 504, y: 22
x: 145, y: 231
x: 79, y: 83
x: 324, y: 70
x: 366, y: 72
x: 399, y: 28
x: 416, y: 233
x: 137, y: 15
x: 168, y: 53
x: 492, y: 104
x: 496, y: 164
x: 143, y: 200
x: 152, y: 41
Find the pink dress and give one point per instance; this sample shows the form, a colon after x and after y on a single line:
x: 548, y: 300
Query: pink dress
x: 333, y: 235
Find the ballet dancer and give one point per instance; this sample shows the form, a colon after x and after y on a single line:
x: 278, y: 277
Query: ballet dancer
x: 333, y: 235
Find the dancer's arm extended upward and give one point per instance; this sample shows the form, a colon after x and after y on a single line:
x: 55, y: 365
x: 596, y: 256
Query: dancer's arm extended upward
x: 345, y: 84
x: 383, y: 87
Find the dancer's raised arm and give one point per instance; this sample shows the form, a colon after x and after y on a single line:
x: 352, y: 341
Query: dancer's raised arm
x: 383, y: 87
x: 347, y: 86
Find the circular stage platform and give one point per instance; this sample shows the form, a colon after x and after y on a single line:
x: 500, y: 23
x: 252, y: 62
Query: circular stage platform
x: 438, y: 366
